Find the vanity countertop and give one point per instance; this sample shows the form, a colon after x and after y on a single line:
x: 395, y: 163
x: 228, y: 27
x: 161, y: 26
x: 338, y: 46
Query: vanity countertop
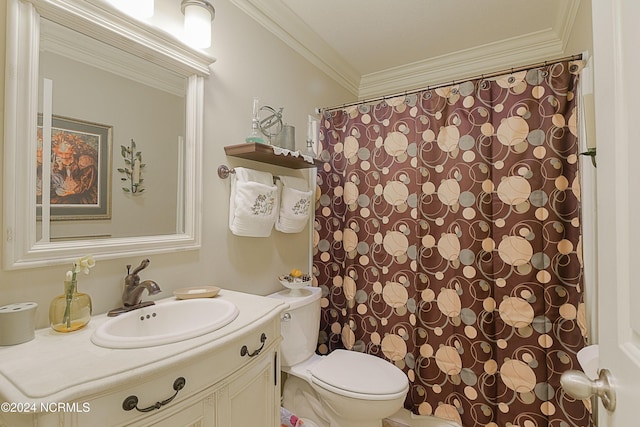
x: 58, y: 367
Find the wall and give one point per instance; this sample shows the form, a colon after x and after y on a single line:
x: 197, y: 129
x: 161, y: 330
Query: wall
x: 581, y: 38
x: 250, y: 62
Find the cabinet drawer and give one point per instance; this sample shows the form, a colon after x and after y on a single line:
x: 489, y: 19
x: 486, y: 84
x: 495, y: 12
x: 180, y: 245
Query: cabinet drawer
x: 175, y: 384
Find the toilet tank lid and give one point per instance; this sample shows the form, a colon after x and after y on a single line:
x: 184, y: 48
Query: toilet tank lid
x: 360, y: 373
x: 303, y: 296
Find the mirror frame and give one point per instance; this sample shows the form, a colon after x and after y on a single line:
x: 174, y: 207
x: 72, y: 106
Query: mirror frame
x: 102, y: 21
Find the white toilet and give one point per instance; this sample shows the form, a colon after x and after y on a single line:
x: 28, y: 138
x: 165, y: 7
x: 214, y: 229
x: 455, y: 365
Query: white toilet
x: 342, y: 389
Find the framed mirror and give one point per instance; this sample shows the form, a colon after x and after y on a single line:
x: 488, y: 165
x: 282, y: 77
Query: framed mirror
x: 95, y: 102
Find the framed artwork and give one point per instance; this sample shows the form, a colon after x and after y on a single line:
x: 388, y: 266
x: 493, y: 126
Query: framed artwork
x: 80, y: 181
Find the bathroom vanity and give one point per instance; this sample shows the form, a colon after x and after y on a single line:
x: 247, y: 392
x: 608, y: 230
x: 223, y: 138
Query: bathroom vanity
x: 228, y: 377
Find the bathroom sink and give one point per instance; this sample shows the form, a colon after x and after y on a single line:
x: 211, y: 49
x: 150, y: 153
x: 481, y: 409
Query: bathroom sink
x: 165, y: 323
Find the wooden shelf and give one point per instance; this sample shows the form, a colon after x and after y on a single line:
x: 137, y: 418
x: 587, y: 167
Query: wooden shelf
x: 264, y: 153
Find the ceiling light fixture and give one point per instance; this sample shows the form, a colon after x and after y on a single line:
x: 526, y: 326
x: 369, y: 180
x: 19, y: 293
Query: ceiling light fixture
x: 198, y: 15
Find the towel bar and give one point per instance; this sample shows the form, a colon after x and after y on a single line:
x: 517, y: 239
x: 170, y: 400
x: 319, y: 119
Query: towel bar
x: 224, y: 171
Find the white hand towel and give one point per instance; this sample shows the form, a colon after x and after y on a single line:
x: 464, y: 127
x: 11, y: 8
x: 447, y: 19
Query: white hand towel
x: 253, y: 204
x: 295, y: 205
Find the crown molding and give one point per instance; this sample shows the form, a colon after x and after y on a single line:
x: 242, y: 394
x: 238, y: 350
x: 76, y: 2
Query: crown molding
x: 489, y: 58
x: 288, y: 27
x: 517, y: 51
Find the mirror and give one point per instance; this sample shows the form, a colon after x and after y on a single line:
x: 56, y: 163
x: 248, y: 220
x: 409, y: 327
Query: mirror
x: 84, y: 83
x: 104, y: 101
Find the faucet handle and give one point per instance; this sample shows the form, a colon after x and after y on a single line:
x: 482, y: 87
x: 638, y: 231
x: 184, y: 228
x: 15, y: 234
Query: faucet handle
x: 142, y: 266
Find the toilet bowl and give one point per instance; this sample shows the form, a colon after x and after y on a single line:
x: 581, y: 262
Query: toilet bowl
x: 342, y: 389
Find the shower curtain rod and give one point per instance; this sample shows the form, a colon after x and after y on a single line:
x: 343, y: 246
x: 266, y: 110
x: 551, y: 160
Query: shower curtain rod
x: 452, y: 82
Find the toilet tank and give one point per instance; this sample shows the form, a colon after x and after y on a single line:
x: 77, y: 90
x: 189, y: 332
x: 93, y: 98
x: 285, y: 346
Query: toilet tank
x: 300, y: 324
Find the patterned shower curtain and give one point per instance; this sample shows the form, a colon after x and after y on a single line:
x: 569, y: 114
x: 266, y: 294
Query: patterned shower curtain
x: 448, y: 241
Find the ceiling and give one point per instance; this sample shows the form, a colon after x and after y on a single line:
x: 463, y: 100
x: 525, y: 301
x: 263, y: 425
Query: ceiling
x: 375, y: 47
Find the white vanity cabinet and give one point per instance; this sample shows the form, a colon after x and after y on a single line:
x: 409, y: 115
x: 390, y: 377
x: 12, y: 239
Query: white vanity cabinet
x: 230, y: 377
x: 249, y: 397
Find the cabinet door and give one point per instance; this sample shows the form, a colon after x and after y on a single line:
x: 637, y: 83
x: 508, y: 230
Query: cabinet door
x: 198, y: 414
x: 197, y: 411
x: 252, y: 397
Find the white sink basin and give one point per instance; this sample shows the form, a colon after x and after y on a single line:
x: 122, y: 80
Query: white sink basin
x: 165, y: 323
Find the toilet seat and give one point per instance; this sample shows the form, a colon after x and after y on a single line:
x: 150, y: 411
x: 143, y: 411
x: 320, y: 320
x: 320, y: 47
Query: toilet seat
x: 360, y: 376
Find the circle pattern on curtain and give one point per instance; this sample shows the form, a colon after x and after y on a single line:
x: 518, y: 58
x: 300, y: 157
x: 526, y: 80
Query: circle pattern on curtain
x: 447, y: 240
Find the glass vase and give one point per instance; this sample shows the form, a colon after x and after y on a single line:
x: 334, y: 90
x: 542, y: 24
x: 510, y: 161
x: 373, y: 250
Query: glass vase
x: 255, y: 135
x: 70, y: 311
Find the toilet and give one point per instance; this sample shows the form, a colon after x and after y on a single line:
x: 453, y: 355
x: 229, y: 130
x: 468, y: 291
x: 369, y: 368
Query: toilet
x: 342, y: 389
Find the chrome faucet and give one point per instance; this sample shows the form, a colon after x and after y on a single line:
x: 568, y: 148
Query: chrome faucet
x: 133, y: 288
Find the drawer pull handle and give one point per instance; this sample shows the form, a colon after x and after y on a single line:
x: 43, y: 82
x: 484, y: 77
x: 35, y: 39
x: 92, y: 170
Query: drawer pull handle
x: 244, y: 351
x: 131, y: 402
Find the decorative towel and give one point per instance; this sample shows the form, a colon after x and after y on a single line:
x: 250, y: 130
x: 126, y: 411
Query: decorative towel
x: 253, y: 205
x: 287, y: 419
x: 295, y: 205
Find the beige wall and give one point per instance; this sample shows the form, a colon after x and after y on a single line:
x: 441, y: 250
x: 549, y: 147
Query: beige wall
x: 581, y: 41
x: 581, y: 37
x: 250, y: 62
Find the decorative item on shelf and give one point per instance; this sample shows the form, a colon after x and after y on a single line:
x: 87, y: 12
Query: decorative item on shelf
x: 72, y: 310
x: 286, y: 138
x: 133, y: 160
x: 309, y: 151
x: 295, y: 281
x: 270, y: 121
x: 255, y: 135
x: 312, y: 137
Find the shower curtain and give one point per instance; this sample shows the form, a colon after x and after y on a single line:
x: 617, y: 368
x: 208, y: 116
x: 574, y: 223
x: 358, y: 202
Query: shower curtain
x: 447, y: 241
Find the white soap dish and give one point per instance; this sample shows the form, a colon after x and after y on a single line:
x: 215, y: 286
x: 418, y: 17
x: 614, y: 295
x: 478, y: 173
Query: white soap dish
x: 196, y: 292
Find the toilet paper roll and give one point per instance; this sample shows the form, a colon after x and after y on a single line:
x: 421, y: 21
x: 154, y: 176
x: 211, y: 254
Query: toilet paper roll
x: 17, y: 323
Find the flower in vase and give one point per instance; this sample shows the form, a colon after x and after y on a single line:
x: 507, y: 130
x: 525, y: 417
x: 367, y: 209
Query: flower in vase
x: 83, y: 264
